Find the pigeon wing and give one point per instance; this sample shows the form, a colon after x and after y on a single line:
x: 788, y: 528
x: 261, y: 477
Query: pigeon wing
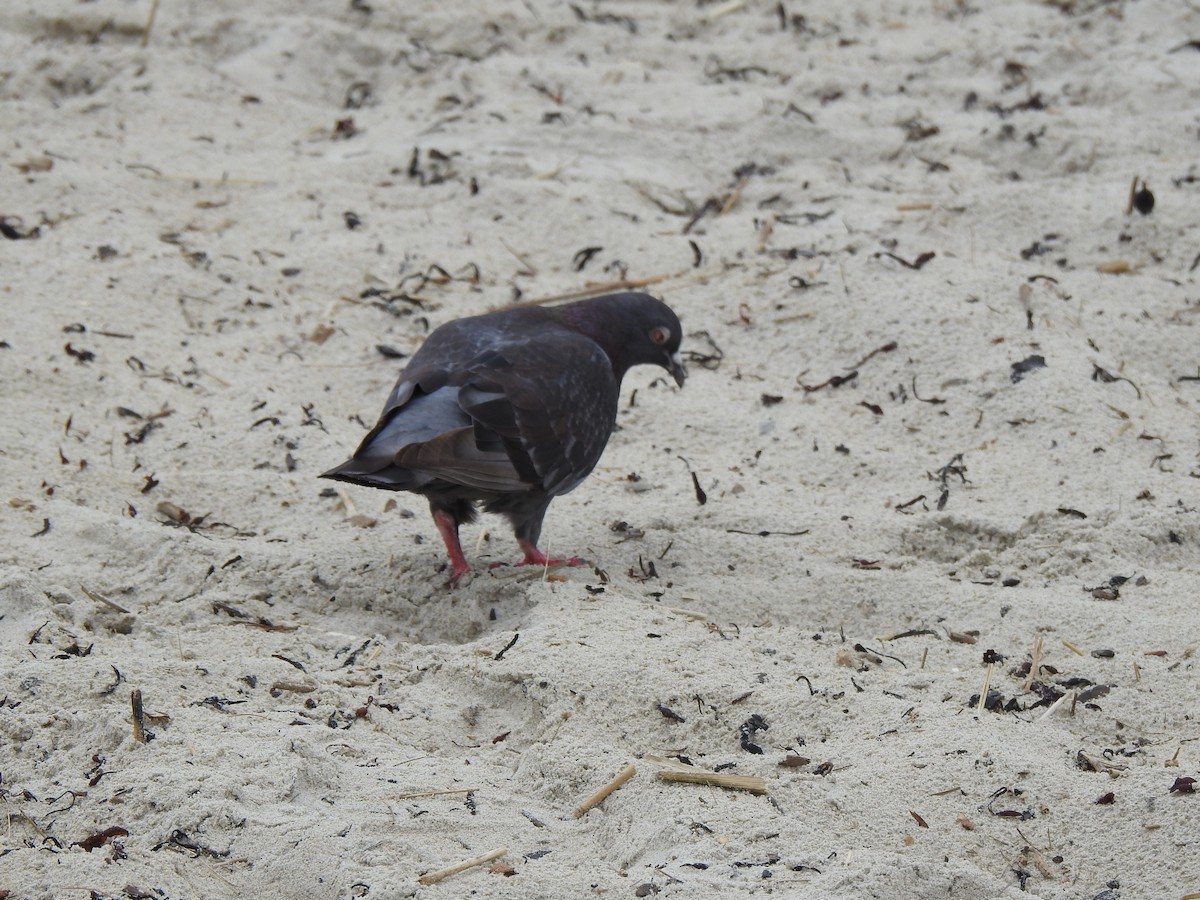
x: 550, y: 403
x: 504, y: 409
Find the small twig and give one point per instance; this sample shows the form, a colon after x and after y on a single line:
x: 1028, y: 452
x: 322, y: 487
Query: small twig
x: 701, y: 497
x: 1085, y: 760
x: 724, y: 10
x: 833, y: 381
x: 1106, y: 377
x: 347, y: 502
x: 1069, y: 695
x: 1035, y: 664
x: 499, y: 656
x: 933, y: 400
x: 674, y: 770
x: 1072, y: 648
x: 521, y: 258
x: 100, y: 598
x: 149, y: 23
x: 838, y: 381
x: 435, y: 877
x: 765, y: 232
x: 139, y: 716
x: 1133, y: 186
x: 751, y: 783
x: 912, y: 632
x: 886, y: 348
x: 917, y: 263
x: 592, y: 289
x: 1042, y: 865
x: 767, y: 533
x: 735, y: 196
x: 295, y: 687
x: 415, y: 794
x: 601, y: 795
x: 987, y: 684
x: 32, y: 823
x: 1025, y: 295
x: 689, y: 613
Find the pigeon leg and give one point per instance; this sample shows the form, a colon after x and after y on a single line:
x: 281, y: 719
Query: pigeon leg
x: 447, y: 526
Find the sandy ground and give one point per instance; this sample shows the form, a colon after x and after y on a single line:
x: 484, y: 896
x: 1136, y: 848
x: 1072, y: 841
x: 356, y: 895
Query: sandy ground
x: 943, y: 406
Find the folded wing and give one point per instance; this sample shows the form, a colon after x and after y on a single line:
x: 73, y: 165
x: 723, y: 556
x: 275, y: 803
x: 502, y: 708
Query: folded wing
x: 527, y: 413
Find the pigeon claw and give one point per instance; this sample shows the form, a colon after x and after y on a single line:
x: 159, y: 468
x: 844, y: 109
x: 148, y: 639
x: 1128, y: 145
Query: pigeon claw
x: 535, y: 557
x: 545, y: 562
x: 455, y: 574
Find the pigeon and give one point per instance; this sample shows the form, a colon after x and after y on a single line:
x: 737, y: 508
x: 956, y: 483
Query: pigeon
x: 510, y: 409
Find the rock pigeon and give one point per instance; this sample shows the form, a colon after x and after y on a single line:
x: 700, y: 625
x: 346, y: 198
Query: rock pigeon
x: 511, y: 409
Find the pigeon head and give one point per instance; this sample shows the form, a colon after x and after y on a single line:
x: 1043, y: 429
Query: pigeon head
x: 633, y: 329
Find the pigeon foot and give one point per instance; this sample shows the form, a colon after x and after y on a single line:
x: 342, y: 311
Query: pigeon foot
x: 535, y: 557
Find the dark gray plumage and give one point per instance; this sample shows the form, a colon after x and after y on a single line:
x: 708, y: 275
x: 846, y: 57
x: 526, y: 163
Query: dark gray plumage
x: 511, y: 409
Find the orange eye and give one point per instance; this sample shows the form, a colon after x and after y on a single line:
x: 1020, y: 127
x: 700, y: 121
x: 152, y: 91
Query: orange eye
x: 660, y: 335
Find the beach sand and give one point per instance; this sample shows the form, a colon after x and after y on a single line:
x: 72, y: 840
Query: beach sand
x: 942, y: 409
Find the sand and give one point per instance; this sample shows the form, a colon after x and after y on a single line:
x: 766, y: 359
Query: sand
x: 943, y: 405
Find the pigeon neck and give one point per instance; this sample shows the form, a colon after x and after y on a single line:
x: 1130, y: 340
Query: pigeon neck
x: 610, y: 342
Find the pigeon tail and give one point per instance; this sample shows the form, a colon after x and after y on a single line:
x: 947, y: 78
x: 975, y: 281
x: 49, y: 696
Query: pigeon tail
x: 391, y: 478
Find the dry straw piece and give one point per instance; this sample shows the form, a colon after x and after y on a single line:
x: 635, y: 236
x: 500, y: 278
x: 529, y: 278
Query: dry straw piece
x: 675, y: 771
x: 435, y: 877
x: 1035, y: 663
x: 601, y: 795
x: 445, y: 793
x: 139, y: 716
x: 751, y: 783
x: 100, y: 598
x: 987, y: 686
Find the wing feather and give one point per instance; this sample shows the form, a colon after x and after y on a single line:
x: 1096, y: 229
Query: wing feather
x: 552, y: 403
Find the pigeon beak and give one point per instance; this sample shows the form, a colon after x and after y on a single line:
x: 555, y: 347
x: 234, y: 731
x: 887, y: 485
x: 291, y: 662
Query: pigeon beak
x: 675, y: 367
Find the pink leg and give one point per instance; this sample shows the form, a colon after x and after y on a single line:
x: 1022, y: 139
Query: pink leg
x: 448, y: 528
x: 535, y: 557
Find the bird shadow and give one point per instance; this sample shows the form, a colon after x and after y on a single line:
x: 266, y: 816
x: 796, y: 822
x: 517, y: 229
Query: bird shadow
x: 418, y: 606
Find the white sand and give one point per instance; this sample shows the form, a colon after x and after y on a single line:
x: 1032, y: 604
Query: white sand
x: 191, y: 201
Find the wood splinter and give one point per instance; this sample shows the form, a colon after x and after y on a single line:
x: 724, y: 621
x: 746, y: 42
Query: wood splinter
x: 444, y: 793
x: 680, y: 772
x: 100, y: 598
x: 1035, y: 663
x: 1057, y: 704
x: 601, y: 795
x: 751, y: 783
x: 435, y: 877
x: 987, y: 686
x: 139, y: 716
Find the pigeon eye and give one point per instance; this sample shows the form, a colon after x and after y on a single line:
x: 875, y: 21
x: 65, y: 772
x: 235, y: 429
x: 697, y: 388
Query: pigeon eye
x: 660, y: 335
